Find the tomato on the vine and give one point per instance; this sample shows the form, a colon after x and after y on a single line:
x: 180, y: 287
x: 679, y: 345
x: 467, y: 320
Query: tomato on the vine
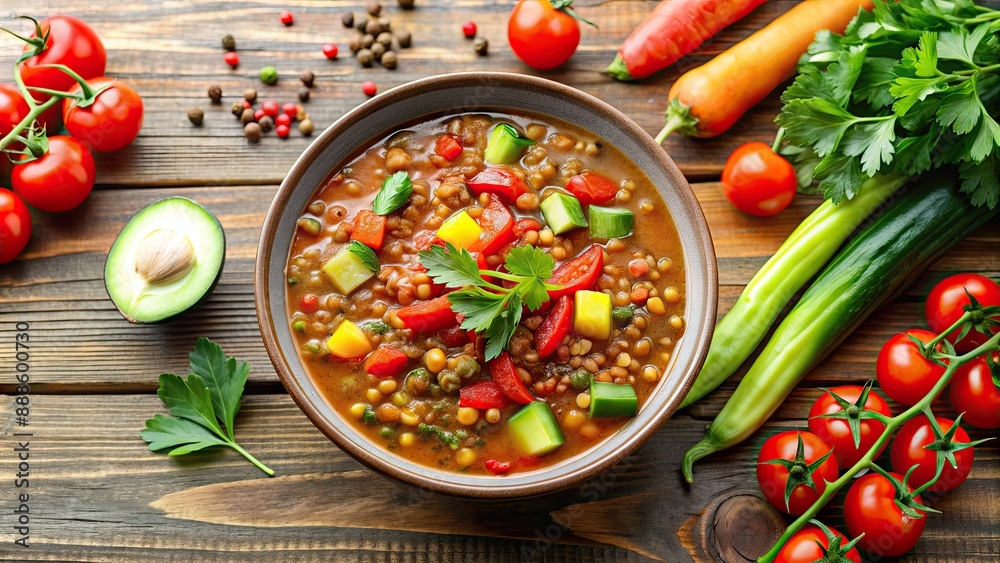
x: 13, y: 108
x: 108, y: 123
x: 974, y: 393
x: 543, y: 33
x: 758, y: 181
x: 15, y: 225
x: 903, y: 373
x: 910, y: 448
x: 58, y: 180
x: 838, y: 431
x: 793, y: 468
x: 870, y: 508
x: 808, y: 545
x: 947, y: 301
x: 70, y: 42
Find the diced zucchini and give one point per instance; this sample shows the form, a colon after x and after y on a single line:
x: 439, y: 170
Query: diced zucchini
x: 460, y: 229
x: 535, y: 429
x: 610, y: 222
x: 563, y: 213
x: 612, y: 400
x: 592, y: 314
x: 347, y: 271
x: 505, y: 145
x: 349, y: 341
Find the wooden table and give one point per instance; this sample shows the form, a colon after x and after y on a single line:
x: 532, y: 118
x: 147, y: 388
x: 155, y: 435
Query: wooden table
x: 97, y: 494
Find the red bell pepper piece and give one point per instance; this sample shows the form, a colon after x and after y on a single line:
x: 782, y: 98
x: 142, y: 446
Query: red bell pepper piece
x: 591, y: 187
x: 554, y: 328
x: 385, y: 362
x: 448, y: 147
x: 482, y: 394
x: 579, y: 273
x: 524, y: 225
x: 498, y: 228
x: 495, y: 467
x: 454, y: 337
x: 428, y: 317
x: 499, y: 180
x: 505, y: 376
x: 369, y: 229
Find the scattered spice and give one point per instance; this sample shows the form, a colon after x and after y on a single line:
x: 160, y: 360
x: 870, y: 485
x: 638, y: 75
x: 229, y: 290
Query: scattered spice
x: 270, y: 107
x: 347, y: 19
x: 330, y: 50
x: 196, y: 116
x: 232, y: 59
x: 308, y: 78
x: 369, y: 88
x: 404, y: 37
x: 290, y: 108
x: 355, y: 44
x: 247, y: 116
x: 228, y: 43
x: 373, y: 27
x: 304, y: 94
x: 366, y: 57
x: 269, y: 76
x: 301, y: 113
x: 215, y: 93
x: 283, y: 119
x: 266, y: 123
x: 378, y: 50
x: 253, y: 132
x: 237, y: 109
x: 250, y: 95
x: 389, y: 59
x: 385, y: 38
x: 469, y: 29
x: 258, y: 114
x: 306, y: 127
x: 286, y: 18
x: 482, y: 46
x: 405, y: 4
x: 282, y: 130
x: 367, y: 41
x: 386, y: 23
x: 374, y: 8
x: 360, y: 23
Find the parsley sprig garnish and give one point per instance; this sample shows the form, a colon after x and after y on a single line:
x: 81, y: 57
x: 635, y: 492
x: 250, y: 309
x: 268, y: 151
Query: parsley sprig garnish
x: 911, y: 86
x: 489, y: 308
x: 203, y: 409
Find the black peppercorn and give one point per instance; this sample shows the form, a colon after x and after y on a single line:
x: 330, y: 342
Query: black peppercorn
x: 374, y: 8
x: 252, y: 132
x: 215, y: 93
x: 308, y: 78
x: 366, y: 57
x: 237, y: 109
x: 482, y: 46
x: 347, y: 19
x: 266, y: 123
x: 303, y: 94
x: 197, y: 116
x: 247, y: 116
x: 228, y: 43
x: 250, y: 95
x: 404, y: 37
x: 389, y: 59
x: 360, y: 22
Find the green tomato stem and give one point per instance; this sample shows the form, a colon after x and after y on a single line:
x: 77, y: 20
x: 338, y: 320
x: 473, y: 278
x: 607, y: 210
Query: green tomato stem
x: 36, y: 111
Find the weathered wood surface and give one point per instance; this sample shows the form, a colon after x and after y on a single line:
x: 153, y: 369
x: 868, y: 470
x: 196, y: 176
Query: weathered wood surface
x: 99, y: 495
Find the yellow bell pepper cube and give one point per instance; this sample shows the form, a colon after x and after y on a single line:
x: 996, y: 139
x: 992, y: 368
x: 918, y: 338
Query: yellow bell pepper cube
x: 592, y: 314
x: 349, y: 342
x: 461, y: 230
x: 346, y: 271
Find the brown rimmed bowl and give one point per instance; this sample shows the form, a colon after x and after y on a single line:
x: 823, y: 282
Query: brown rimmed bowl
x: 469, y: 92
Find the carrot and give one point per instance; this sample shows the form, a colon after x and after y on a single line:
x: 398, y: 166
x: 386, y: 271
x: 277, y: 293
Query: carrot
x: 369, y: 229
x: 708, y: 100
x: 673, y: 29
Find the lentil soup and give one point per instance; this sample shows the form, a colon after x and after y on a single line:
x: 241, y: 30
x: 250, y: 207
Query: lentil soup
x: 486, y: 293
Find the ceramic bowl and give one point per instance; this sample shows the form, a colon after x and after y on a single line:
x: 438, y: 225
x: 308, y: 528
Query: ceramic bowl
x: 466, y: 92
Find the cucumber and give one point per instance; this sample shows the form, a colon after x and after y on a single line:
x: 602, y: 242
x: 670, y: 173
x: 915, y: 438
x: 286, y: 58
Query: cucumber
x: 562, y: 213
x: 610, y: 222
x: 875, y: 267
x: 612, y: 400
x: 535, y: 429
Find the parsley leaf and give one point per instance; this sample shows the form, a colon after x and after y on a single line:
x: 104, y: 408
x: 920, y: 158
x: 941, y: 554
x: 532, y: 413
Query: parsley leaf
x: 366, y: 254
x: 982, y: 181
x: 536, y: 267
x: 451, y: 266
x: 395, y: 192
x: 203, y: 408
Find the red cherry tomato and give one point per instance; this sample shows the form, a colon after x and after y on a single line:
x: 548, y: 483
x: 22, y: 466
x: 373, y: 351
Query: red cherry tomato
x: 773, y: 478
x: 807, y: 546
x: 554, y: 328
x: 837, y: 432
x: 908, y: 449
x: 590, y: 187
x: 578, y: 273
x: 60, y: 179
x: 369, y: 88
x: 946, y: 303
x: 13, y: 109
x: 499, y: 180
x: 497, y: 223
x: 758, y: 181
x: 904, y: 374
x: 870, y: 509
x: 974, y: 393
x: 286, y: 17
x: 111, y: 122
x: 232, y: 59
x: 542, y: 36
x: 15, y: 225
x: 72, y: 43
x: 330, y: 50
x: 469, y: 29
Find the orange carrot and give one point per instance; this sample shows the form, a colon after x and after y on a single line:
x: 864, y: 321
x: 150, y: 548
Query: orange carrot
x: 369, y: 229
x: 708, y: 100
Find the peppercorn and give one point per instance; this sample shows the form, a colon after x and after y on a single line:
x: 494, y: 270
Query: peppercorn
x: 347, y: 19
x: 405, y: 4
x: 248, y: 116
x: 374, y: 8
x: 306, y: 127
x: 367, y: 41
x: 215, y: 93
x: 481, y: 46
x: 378, y: 50
x: 360, y: 22
x: 268, y: 75
x: 308, y: 78
x: 385, y: 38
x: 404, y: 37
x: 250, y: 95
x: 252, y: 132
x: 389, y: 59
x: 366, y: 57
x: 386, y: 24
x: 394, y: 45
x: 237, y: 109
x: 266, y: 123
x: 373, y: 27
x: 197, y: 116
x: 282, y: 130
x: 228, y: 43
x: 355, y: 44
x: 303, y: 94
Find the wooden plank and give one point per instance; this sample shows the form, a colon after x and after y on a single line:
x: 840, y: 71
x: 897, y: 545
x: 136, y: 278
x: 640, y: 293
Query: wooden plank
x: 170, y: 52
x: 97, y: 493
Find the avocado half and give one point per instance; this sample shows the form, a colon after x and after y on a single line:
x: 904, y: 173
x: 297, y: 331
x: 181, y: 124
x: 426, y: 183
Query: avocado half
x: 165, y: 261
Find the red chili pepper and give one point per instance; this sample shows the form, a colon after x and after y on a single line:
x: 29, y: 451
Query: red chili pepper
x: 482, y: 394
x: 505, y: 375
x: 497, y: 467
x: 386, y: 362
x: 554, y: 328
x: 369, y: 229
x: 524, y: 225
x: 428, y: 317
x: 579, y: 273
x: 448, y: 147
x: 498, y: 180
x: 308, y: 303
x: 591, y: 187
x: 497, y: 223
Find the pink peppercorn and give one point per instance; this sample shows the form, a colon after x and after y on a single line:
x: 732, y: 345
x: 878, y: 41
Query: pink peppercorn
x: 469, y: 29
x: 290, y: 108
x: 283, y: 119
x: 232, y: 59
x: 282, y: 131
x: 286, y: 17
x: 369, y: 88
x: 330, y: 50
x: 271, y: 107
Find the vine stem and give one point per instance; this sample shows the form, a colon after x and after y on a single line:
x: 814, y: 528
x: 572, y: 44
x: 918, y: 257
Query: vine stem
x: 890, y: 428
x: 35, y: 112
